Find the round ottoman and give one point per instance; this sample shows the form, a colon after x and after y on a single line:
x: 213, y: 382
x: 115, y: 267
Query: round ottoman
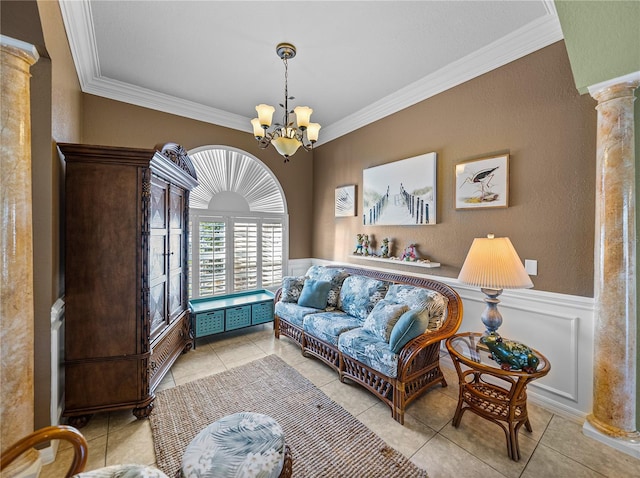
x: 244, y: 444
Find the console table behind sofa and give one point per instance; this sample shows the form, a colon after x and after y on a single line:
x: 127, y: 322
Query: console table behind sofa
x: 418, y: 361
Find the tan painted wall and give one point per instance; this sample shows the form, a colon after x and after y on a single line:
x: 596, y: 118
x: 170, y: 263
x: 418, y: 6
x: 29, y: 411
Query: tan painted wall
x: 530, y: 109
x: 112, y: 123
x: 61, y: 113
x: 66, y: 100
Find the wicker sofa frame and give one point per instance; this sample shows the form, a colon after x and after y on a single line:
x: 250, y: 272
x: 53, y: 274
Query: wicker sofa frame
x: 418, y: 361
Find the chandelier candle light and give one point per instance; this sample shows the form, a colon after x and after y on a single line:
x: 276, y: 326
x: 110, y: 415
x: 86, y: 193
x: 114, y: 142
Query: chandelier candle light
x: 285, y: 137
x: 493, y: 264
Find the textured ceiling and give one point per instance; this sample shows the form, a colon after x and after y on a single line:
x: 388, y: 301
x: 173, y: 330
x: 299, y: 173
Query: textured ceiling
x: 357, y: 61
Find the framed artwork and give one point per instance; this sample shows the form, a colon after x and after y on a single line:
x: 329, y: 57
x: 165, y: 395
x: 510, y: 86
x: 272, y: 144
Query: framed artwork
x: 483, y: 183
x: 400, y: 193
x: 346, y: 201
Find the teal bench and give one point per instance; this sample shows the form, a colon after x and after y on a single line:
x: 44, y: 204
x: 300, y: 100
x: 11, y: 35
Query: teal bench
x: 214, y: 315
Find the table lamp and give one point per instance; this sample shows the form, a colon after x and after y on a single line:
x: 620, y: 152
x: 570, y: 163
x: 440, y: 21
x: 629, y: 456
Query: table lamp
x: 493, y: 264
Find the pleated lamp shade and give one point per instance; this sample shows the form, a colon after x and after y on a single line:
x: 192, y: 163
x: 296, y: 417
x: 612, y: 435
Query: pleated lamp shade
x: 493, y: 263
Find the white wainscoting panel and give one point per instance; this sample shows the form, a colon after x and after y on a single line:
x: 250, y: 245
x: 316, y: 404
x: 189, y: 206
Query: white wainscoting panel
x: 48, y: 454
x: 298, y: 267
x: 559, y: 326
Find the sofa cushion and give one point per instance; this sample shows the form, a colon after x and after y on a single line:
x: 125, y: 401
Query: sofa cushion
x: 291, y: 288
x: 383, y: 317
x: 369, y: 350
x: 410, y: 325
x: 314, y: 294
x: 359, y: 294
x: 328, y: 326
x: 420, y: 298
x: 334, y: 275
x: 293, y: 313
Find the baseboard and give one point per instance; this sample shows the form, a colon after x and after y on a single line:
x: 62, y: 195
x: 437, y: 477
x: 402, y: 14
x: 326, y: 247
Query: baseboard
x: 48, y: 454
x: 625, y: 446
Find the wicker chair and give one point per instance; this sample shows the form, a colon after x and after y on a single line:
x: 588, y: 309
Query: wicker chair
x: 79, y: 444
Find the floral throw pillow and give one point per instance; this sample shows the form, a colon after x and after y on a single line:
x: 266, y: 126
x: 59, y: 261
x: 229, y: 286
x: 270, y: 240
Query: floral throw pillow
x: 383, y: 317
x: 291, y: 288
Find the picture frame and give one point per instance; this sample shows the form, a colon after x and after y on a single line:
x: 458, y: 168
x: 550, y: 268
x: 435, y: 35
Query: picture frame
x: 345, y: 201
x: 482, y: 183
x: 401, y: 193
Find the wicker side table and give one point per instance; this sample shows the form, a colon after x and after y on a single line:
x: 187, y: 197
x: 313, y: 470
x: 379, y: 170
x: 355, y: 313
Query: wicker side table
x: 491, y: 392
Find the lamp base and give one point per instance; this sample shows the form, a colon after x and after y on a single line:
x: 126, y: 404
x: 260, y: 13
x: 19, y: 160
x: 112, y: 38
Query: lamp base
x: 491, y: 317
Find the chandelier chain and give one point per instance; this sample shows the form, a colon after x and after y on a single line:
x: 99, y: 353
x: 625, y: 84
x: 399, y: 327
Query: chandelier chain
x: 286, y: 92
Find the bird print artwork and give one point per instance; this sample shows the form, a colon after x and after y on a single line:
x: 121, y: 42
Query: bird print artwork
x: 482, y: 183
x: 482, y: 179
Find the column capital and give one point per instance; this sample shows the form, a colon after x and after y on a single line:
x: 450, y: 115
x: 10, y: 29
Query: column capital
x: 615, y: 88
x: 24, y: 50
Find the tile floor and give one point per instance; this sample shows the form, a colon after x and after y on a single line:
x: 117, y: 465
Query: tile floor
x: 556, y: 448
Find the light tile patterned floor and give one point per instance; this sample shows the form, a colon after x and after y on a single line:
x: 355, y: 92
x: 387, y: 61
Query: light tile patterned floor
x: 556, y: 448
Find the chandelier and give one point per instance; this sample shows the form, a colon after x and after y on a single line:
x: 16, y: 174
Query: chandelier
x: 285, y: 137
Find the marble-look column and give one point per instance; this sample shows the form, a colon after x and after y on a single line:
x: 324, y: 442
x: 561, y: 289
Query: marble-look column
x: 614, y: 401
x: 16, y: 245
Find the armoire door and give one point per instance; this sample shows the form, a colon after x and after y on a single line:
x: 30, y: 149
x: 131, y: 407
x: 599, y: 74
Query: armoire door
x: 177, y: 251
x: 159, y: 256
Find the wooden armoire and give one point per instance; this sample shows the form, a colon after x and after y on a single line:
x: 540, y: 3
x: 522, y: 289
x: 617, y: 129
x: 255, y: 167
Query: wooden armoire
x: 125, y: 245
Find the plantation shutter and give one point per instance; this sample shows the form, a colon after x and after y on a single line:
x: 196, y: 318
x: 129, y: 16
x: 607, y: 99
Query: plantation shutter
x: 245, y: 256
x: 272, y: 254
x: 213, y: 258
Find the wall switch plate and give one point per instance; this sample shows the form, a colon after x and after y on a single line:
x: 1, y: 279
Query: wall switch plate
x: 531, y: 267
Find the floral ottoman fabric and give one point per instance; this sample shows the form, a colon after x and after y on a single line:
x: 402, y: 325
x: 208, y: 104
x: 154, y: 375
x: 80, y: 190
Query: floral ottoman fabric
x: 123, y: 471
x: 244, y: 444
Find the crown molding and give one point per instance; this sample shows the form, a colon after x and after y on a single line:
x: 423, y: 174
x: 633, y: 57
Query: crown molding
x: 531, y: 37
x: 78, y: 22
x: 135, y: 95
x: 80, y: 31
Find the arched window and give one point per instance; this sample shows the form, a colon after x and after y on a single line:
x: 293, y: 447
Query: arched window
x: 238, y: 222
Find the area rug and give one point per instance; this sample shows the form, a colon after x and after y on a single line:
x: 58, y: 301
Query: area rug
x: 325, y: 440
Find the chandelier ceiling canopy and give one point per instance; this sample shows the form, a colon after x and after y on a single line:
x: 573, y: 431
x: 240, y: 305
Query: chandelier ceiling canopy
x: 289, y: 135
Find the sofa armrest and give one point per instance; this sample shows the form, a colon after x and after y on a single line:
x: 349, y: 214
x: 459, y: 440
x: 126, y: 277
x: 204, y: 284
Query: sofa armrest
x: 425, y: 348
x: 276, y: 298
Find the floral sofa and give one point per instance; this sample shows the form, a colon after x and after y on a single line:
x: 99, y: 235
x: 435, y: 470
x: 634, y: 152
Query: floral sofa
x: 381, y: 330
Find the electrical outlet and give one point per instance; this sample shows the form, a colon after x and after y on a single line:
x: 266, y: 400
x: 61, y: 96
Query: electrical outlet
x: 531, y: 267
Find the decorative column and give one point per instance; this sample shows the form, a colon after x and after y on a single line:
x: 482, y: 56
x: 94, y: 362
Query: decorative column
x: 614, y: 395
x: 16, y: 265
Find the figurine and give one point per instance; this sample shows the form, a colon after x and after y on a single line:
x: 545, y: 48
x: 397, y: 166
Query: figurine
x: 384, y: 248
x: 410, y: 254
x: 359, y: 241
x: 510, y: 355
x: 366, y: 245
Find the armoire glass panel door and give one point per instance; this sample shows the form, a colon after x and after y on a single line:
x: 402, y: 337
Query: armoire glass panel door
x: 159, y: 250
x: 177, y: 299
